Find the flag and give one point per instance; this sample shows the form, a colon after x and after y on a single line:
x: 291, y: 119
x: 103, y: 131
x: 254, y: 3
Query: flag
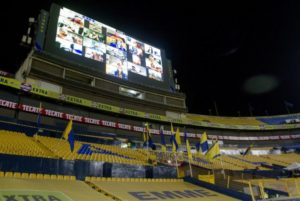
x: 148, y: 136
x: 174, y: 148
x: 68, y: 134
x: 188, y: 149
x: 177, y: 136
x: 185, y: 135
x: 172, y: 129
x: 162, y: 140
x: 173, y: 140
x: 203, y: 142
x: 214, y: 151
x: 145, y: 139
x: 174, y: 143
x: 247, y: 150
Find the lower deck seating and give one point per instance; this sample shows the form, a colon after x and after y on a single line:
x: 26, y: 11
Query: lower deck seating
x: 134, y: 190
x: 17, y: 143
x: 47, y: 189
x: 108, y: 153
x: 23, y: 186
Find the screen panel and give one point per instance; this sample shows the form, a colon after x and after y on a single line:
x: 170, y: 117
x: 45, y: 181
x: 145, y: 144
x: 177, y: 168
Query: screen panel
x: 104, y: 49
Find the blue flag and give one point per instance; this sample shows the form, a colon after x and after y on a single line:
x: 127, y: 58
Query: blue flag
x: 68, y: 134
x: 173, y: 141
x: 204, y: 142
x: 185, y: 135
x: 162, y: 137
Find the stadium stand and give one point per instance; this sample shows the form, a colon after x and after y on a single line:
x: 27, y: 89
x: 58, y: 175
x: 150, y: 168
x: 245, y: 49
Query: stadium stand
x: 225, y: 120
x: 275, y: 120
x: 83, y: 151
x: 19, y: 144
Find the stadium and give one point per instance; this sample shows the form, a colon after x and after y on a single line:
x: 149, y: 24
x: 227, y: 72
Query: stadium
x: 94, y: 114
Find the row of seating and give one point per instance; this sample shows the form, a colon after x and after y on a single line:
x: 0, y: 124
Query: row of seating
x: 232, y: 162
x: 25, y: 175
x: 131, y: 179
x: 226, y: 120
x: 19, y: 144
x: 16, y: 143
x: 62, y: 149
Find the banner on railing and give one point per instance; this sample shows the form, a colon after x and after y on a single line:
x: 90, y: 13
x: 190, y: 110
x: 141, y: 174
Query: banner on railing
x: 128, y: 127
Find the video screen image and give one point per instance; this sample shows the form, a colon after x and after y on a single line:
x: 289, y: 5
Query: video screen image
x: 152, y: 50
x: 137, y: 69
x: 116, y: 67
x: 154, y: 63
x: 95, y: 26
x: 118, y: 52
x: 72, y: 16
x: 154, y: 75
x: 88, y: 33
x: 116, y: 40
x: 135, y: 47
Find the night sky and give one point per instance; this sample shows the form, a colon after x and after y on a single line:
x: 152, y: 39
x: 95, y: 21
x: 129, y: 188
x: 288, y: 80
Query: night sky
x: 235, y: 54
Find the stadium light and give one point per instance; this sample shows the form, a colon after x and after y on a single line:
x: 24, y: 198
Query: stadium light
x: 26, y: 38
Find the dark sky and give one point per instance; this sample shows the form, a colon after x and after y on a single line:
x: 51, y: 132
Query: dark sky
x: 232, y: 52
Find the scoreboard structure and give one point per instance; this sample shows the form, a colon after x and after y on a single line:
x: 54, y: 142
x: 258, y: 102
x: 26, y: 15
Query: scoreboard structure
x: 105, y: 50
x: 86, y: 52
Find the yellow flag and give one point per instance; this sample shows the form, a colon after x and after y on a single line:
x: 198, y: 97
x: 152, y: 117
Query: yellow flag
x: 67, y: 130
x: 188, y: 149
x: 163, y: 148
x: 145, y: 137
x: 172, y: 129
x: 174, y: 148
x: 213, y: 152
x: 147, y: 128
x: 177, y: 136
x: 203, y: 138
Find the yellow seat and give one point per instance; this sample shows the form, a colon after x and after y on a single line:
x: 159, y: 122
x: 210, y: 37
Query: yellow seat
x: 46, y: 176
x: 17, y: 175
x: 1, y: 174
x: 25, y: 175
x: 32, y: 176
x: 40, y: 176
x: 66, y: 177
x: 60, y: 177
x: 8, y: 174
x: 53, y: 177
x: 87, y: 179
x: 72, y: 178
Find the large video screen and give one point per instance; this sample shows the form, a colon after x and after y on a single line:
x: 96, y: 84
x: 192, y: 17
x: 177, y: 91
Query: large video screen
x: 121, y: 55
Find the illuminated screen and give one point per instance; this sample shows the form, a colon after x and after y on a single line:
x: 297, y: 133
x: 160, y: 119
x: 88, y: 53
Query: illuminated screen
x: 118, y: 53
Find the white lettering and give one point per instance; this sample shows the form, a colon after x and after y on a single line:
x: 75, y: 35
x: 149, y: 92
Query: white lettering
x: 54, y: 113
x: 91, y: 121
x: 74, y: 117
